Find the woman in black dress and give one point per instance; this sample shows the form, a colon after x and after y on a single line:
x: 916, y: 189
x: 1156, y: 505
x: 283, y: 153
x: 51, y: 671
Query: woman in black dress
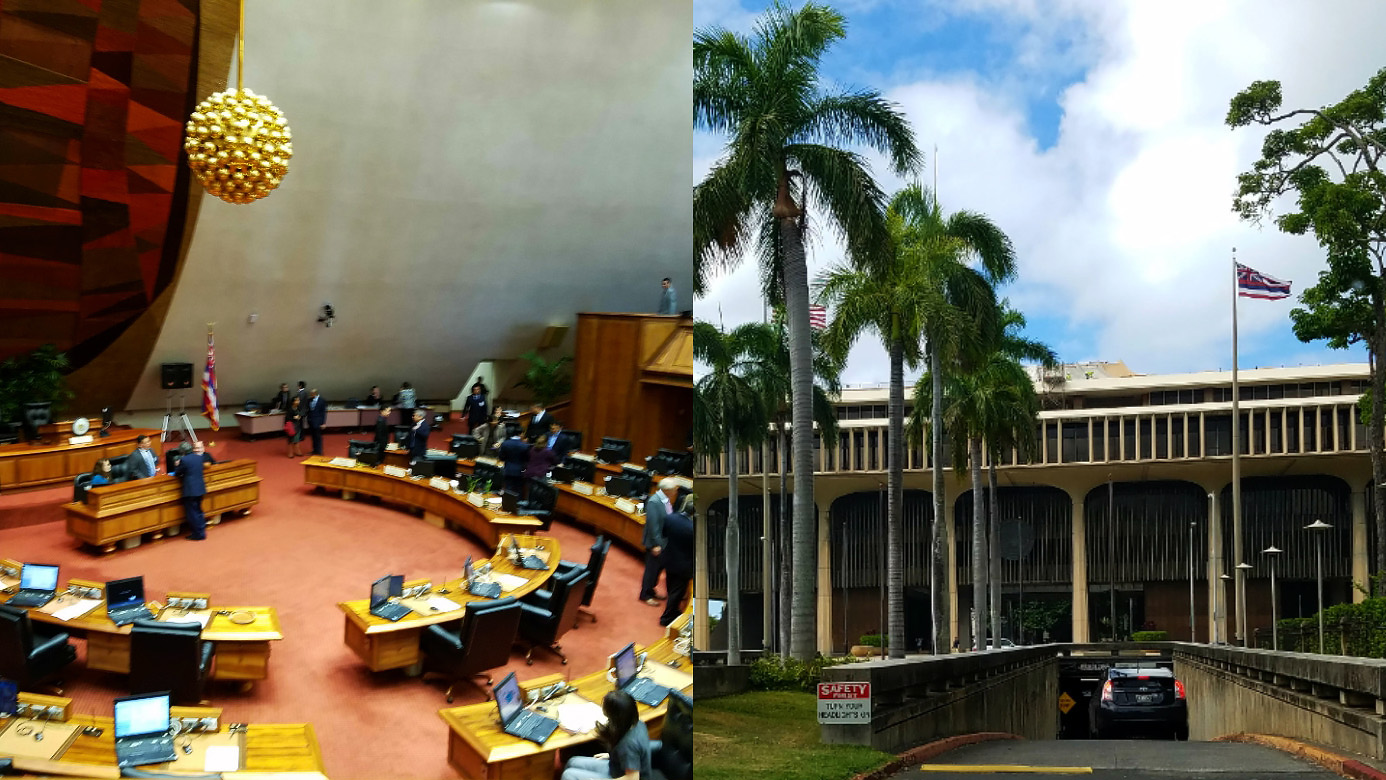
x: 293, y: 416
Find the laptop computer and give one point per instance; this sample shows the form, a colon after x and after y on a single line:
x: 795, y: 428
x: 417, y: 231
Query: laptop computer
x: 382, y: 590
x: 486, y: 590
x: 125, y: 601
x: 515, y: 719
x: 9, y: 697
x: 526, y: 561
x: 141, y: 730
x: 37, y: 584
x: 642, y: 689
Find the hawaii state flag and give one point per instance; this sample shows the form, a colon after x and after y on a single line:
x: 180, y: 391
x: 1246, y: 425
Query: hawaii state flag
x: 209, y: 386
x: 1254, y: 284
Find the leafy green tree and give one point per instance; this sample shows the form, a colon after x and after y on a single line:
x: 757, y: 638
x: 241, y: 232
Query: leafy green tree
x: 730, y: 413
x: 1331, y: 163
x: 784, y: 157
x: 547, y: 380
x: 40, y: 375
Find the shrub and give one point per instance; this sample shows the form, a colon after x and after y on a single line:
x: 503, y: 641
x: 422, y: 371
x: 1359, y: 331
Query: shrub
x: 783, y: 673
x: 874, y: 640
x: 1150, y: 636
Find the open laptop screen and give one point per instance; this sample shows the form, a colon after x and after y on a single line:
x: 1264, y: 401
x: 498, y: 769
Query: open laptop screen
x: 38, y: 576
x: 625, y: 665
x: 139, y: 715
x: 123, y: 593
x: 380, y: 591
x: 467, y: 570
x: 508, y: 698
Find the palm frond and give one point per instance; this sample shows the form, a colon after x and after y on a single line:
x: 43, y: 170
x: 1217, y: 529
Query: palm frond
x: 861, y: 118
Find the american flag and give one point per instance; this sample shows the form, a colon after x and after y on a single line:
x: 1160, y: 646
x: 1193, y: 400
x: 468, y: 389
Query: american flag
x: 1254, y: 284
x: 209, y: 386
x: 818, y: 316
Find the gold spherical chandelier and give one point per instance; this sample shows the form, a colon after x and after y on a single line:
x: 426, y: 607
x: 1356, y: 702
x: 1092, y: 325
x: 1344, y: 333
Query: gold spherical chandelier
x: 238, y: 143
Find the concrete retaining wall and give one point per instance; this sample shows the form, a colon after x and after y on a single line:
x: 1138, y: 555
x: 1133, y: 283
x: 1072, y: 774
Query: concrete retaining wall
x: 709, y: 682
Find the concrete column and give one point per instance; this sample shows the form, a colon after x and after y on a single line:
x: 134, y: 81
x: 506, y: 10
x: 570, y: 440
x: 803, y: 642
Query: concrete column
x: 950, y: 548
x: 1360, y: 554
x: 825, y: 583
x: 701, y: 639
x: 1080, y: 570
x: 1217, y: 613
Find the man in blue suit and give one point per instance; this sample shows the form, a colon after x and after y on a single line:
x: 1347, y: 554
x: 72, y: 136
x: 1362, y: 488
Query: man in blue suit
x: 143, y: 462
x: 514, y: 453
x: 418, y: 437
x: 679, y: 555
x: 317, y: 418
x: 194, y: 488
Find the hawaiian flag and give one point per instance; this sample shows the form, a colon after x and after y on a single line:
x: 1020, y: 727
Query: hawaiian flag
x: 209, y: 387
x: 818, y: 316
x: 1254, y: 284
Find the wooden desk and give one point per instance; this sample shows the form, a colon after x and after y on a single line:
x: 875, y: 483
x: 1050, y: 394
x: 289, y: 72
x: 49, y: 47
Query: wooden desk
x: 278, y: 750
x: 383, y: 645
x: 441, y: 508
x: 479, y: 749
x: 260, y: 423
x: 126, y: 510
x: 25, y: 466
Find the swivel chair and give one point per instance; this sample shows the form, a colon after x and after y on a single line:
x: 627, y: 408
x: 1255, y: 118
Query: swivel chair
x: 596, y: 561
x: 80, y: 485
x: 674, y: 758
x: 28, y: 656
x: 540, y: 504
x: 36, y: 415
x: 548, y: 614
x: 472, y: 646
x: 252, y: 405
x: 169, y: 657
x: 9, y: 432
x: 120, y: 468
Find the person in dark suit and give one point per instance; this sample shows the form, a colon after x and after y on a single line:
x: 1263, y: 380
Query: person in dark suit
x: 476, y: 408
x: 382, y: 430
x: 541, y: 461
x: 281, y: 399
x: 514, y: 453
x: 418, y: 437
x: 316, y: 415
x: 554, y: 439
x: 302, y: 393
x: 194, y: 488
x: 374, y: 399
x: 659, y: 505
x: 538, y: 422
x: 143, y: 461
x: 678, y: 559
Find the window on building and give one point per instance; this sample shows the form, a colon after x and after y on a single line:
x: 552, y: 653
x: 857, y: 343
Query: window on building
x: 1218, y: 430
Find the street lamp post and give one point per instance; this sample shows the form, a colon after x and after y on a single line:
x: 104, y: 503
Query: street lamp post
x: 1243, y: 570
x: 1319, y: 525
x: 1193, y: 632
x: 1273, y: 551
x: 1222, y: 599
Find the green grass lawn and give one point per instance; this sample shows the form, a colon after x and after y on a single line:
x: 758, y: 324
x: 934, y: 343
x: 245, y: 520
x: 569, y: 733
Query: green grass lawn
x: 771, y: 734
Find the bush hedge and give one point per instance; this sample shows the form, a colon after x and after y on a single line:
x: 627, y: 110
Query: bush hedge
x: 1150, y: 636
x: 783, y: 673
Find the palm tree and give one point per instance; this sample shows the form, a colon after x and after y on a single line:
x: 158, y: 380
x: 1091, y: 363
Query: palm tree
x: 729, y: 413
x: 892, y: 298
x: 965, y: 255
x: 764, y: 93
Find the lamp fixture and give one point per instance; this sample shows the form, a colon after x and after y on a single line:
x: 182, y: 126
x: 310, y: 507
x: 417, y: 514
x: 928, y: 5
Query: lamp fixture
x: 1245, y: 566
x: 1272, y: 550
x: 238, y: 143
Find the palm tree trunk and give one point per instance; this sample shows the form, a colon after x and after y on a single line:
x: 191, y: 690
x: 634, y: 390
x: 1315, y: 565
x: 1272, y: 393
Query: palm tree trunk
x: 733, y: 552
x: 786, y: 532
x: 938, y: 574
x: 979, y: 547
x: 994, y: 552
x: 796, y: 297
x: 1374, y: 432
x: 895, y: 490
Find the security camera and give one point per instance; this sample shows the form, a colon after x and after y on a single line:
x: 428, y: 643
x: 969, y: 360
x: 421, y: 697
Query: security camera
x: 327, y: 315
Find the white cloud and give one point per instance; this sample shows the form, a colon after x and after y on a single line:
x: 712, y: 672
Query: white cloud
x: 1124, y: 228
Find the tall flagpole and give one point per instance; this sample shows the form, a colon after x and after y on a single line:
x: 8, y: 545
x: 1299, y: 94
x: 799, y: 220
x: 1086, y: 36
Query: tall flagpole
x: 1240, y: 583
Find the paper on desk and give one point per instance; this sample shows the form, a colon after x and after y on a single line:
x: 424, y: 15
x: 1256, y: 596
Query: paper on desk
x: 348, y: 462
x: 77, y: 609
x: 443, y: 604
x: 577, y: 715
x: 223, y: 758
x: 508, y: 582
x: 201, y: 617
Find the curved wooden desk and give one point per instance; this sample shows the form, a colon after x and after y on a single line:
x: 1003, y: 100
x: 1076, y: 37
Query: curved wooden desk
x: 478, y: 748
x: 243, y: 651
x: 24, y: 466
x: 442, y: 508
x: 126, y: 510
x: 383, y: 645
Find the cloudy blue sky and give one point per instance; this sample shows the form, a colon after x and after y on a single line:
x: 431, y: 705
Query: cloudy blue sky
x: 1092, y: 132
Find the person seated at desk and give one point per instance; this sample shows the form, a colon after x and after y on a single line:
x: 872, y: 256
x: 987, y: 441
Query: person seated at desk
x: 102, y: 475
x: 626, y: 739
x: 541, y: 461
x: 374, y: 398
x: 490, y: 433
x: 143, y: 462
x: 281, y: 398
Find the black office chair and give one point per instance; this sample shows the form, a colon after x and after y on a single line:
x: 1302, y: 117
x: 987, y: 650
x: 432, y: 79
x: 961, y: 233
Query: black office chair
x: 28, y: 656
x: 9, y: 432
x: 36, y: 415
x: 80, y: 485
x: 472, y: 646
x: 674, y: 758
x: 173, y: 456
x: 169, y: 657
x: 540, y: 503
x: 252, y: 405
x: 120, y: 468
x: 596, y: 561
x: 548, y: 614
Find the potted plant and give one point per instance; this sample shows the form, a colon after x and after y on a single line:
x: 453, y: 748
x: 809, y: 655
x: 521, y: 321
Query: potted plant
x: 36, y: 376
x: 547, y: 380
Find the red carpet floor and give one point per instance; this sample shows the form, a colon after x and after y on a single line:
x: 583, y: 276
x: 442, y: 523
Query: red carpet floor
x: 302, y: 552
